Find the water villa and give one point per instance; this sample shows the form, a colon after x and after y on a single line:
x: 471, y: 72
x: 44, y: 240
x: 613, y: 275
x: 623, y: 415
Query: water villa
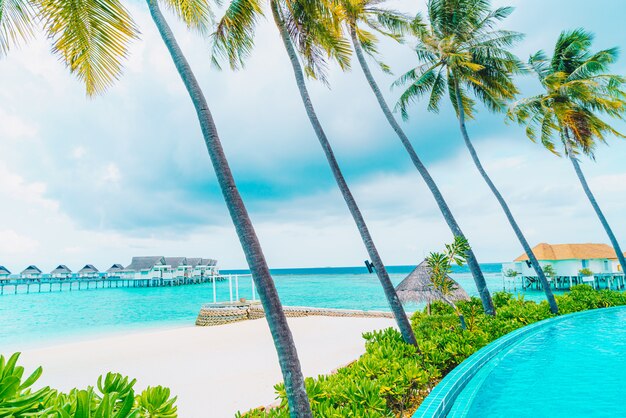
x: 61, y: 272
x: 31, y: 272
x: 146, y: 271
x: 115, y: 270
x: 89, y: 272
x: 568, y: 262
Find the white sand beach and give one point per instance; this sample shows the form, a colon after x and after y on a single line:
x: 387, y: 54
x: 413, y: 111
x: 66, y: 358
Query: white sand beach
x: 215, y: 371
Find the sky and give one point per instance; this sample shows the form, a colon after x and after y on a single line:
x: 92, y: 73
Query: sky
x: 98, y: 180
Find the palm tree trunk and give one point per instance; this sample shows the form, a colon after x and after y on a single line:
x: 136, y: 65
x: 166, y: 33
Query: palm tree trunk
x: 396, y: 307
x: 477, y: 273
x: 596, y: 207
x: 518, y: 232
x: 283, y: 340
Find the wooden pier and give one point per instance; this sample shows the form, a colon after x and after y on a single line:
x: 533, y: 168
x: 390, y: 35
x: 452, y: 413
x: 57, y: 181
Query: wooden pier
x: 48, y: 285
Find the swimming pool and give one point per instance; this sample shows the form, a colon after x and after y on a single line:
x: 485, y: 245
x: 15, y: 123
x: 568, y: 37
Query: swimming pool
x: 569, y: 366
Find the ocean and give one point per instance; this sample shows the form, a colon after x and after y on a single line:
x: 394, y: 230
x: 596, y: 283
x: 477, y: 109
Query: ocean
x: 42, y: 319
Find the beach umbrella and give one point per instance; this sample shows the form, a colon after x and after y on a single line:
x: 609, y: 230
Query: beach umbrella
x: 417, y: 287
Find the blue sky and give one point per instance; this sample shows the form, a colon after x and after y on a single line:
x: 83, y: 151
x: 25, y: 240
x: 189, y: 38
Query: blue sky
x: 99, y: 180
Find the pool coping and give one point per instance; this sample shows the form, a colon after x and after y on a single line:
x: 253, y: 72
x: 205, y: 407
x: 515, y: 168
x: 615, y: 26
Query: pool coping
x: 440, y: 401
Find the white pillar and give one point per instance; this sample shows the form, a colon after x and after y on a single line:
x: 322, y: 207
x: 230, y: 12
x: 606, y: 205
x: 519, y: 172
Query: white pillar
x: 230, y: 287
x: 253, y: 288
x: 237, y: 287
x: 214, y: 292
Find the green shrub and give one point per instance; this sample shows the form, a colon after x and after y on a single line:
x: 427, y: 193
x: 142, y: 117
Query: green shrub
x: 392, y: 378
x: 114, y: 397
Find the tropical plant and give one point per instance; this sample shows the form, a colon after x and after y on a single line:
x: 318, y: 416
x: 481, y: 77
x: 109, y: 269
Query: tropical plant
x: 392, y: 378
x: 462, y: 53
x: 16, y: 397
x: 512, y: 273
x: 114, y: 397
x: 549, y: 271
x: 91, y: 37
x: 579, y: 91
x: 359, y: 16
x: 440, y: 265
x: 309, y: 31
x: 586, y: 272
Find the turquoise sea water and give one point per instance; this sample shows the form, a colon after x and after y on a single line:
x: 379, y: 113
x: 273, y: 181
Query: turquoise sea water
x: 573, y: 368
x: 46, y: 318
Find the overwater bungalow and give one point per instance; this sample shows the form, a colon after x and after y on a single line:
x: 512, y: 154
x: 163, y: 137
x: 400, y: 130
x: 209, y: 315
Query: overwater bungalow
x: 4, y: 273
x: 31, y: 272
x: 115, y: 270
x: 61, y: 272
x: 199, y: 267
x: 178, y: 267
x: 567, y: 261
x: 89, y: 272
x: 150, y: 267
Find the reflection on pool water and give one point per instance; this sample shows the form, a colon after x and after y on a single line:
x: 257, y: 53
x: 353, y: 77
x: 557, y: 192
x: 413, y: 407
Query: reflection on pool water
x: 573, y: 367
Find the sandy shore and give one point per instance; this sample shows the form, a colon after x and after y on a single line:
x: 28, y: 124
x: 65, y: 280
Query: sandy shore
x: 215, y: 371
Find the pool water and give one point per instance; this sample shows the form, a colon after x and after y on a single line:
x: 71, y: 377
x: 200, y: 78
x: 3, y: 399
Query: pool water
x: 575, y: 367
x: 48, y: 318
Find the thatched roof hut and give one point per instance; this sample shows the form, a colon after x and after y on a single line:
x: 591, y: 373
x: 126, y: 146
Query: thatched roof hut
x: 175, y: 262
x: 61, y: 271
x: 4, y: 271
x: 417, y: 287
x: 31, y: 270
x: 115, y: 268
x: 145, y: 263
x: 88, y: 269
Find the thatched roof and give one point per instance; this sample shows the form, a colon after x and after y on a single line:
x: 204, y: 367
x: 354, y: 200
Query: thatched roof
x: 176, y: 261
x: 4, y: 270
x: 88, y: 269
x: 146, y: 263
x: 416, y: 287
x: 31, y: 270
x: 552, y: 252
x: 115, y: 268
x: 61, y: 269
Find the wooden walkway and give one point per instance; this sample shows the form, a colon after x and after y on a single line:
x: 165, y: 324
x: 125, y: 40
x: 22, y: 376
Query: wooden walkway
x: 47, y: 285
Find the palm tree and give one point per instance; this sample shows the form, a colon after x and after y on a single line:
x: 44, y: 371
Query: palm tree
x: 359, y: 13
x: 461, y: 52
x: 313, y: 27
x: 92, y: 43
x: 578, y: 91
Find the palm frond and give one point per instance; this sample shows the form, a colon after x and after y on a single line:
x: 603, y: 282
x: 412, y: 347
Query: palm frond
x: 90, y: 36
x: 196, y: 14
x: 17, y: 21
x: 233, y: 38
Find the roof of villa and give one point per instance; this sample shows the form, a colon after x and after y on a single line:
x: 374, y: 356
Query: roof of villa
x: 416, y: 287
x: 61, y: 269
x: 4, y: 270
x: 31, y: 270
x: 176, y: 261
x: 545, y: 251
x: 89, y: 268
x: 115, y: 268
x: 208, y: 262
x: 146, y: 263
x: 193, y: 261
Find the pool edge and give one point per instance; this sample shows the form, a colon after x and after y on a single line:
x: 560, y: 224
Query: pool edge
x: 440, y: 401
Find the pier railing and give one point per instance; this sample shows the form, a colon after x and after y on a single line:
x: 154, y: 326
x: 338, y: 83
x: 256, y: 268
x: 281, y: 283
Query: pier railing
x: 15, y: 286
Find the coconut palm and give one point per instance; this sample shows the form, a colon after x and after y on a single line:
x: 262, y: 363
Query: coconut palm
x: 579, y: 91
x: 462, y: 53
x: 91, y: 36
x: 309, y: 31
x: 368, y: 13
